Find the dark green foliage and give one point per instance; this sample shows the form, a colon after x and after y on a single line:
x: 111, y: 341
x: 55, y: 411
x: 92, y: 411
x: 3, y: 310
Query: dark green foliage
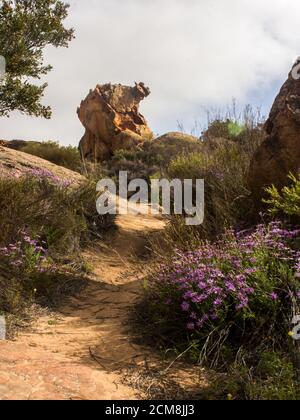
x: 67, y: 156
x: 26, y: 28
x: 286, y: 202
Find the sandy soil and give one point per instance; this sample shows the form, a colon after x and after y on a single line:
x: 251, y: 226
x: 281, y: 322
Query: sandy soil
x: 80, y: 351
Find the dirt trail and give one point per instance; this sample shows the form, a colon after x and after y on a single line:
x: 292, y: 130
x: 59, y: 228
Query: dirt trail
x: 77, y: 352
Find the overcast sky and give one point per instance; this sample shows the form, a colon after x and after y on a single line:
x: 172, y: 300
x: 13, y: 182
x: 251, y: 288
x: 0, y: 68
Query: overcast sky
x: 193, y: 54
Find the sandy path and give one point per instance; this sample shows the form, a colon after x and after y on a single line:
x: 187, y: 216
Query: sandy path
x: 77, y: 353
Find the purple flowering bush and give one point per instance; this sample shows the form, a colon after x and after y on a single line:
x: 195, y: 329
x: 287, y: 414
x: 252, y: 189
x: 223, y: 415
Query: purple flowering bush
x: 63, y: 215
x: 42, y: 174
x: 26, y: 255
x: 31, y: 274
x: 241, y: 290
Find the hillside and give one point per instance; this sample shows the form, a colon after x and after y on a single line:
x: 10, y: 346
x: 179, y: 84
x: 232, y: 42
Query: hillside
x: 17, y: 162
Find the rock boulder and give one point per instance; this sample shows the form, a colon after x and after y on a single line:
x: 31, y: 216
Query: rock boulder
x: 110, y: 115
x: 279, y: 154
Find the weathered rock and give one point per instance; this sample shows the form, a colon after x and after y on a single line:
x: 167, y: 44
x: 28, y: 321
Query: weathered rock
x: 17, y: 163
x: 279, y: 154
x: 110, y: 115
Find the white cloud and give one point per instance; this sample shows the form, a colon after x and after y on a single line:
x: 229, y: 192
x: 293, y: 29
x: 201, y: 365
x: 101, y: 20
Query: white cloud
x: 192, y: 53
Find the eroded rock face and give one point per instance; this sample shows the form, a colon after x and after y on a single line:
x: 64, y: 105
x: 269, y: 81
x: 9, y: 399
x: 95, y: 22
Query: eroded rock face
x: 279, y: 154
x: 110, y: 115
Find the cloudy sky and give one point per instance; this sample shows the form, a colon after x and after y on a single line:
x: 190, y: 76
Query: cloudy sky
x: 193, y: 54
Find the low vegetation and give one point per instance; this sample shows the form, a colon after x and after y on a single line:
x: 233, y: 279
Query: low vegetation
x: 229, y: 300
x: 44, y: 223
x: 224, y: 294
x: 153, y: 157
x: 286, y: 202
x: 67, y: 156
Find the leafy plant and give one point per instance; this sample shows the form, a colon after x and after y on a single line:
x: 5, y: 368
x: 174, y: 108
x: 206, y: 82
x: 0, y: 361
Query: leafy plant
x: 286, y: 201
x: 26, y: 28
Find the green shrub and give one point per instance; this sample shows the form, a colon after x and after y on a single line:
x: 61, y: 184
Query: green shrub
x: 287, y: 201
x: 67, y: 156
x: 161, y: 151
x: 223, y: 162
x: 273, y: 378
x: 246, y: 130
x: 227, y: 201
x: 134, y: 162
x: 28, y: 274
x: 152, y: 156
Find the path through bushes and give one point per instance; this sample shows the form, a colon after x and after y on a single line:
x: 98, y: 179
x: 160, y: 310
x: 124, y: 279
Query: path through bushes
x: 80, y: 351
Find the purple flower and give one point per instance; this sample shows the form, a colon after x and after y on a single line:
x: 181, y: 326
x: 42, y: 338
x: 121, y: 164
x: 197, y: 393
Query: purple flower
x: 185, y: 306
x: 230, y: 286
x: 218, y: 302
x: 190, y: 326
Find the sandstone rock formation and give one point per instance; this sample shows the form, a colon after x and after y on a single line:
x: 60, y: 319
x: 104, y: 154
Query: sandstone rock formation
x: 279, y: 154
x: 110, y: 115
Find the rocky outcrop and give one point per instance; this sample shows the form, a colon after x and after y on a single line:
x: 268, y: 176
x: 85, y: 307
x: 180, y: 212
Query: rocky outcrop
x: 279, y: 154
x: 16, y: 163
x: 111, y: 118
